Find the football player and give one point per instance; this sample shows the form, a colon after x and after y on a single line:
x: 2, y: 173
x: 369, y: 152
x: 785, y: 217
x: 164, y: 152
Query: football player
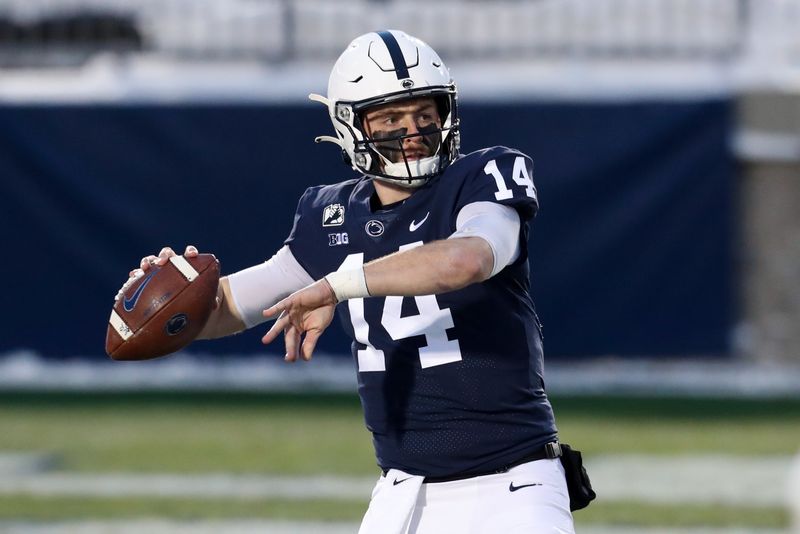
x: 425, y: 258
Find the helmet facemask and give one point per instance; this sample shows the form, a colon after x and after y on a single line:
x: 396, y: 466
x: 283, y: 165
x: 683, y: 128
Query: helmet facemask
x: 381, y: 68
x: 384, y: 155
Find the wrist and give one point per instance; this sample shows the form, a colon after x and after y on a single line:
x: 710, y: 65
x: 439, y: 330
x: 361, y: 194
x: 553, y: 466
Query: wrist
x: 348, y: 284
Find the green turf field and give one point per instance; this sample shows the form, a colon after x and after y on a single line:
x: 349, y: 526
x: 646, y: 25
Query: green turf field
x: 309, y: 435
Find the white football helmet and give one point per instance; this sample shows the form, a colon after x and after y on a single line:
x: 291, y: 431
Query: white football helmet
x: 383, y: 67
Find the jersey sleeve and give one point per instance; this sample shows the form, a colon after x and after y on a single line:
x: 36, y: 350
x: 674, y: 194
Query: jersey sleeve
x: 260, y: 286
x: 296, y: 242
x: 504, y: 176
x: 496, y: 224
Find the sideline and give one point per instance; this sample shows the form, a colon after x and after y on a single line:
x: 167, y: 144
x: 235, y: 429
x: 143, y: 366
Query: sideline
x: 28, y: 371
x: 286, y: 527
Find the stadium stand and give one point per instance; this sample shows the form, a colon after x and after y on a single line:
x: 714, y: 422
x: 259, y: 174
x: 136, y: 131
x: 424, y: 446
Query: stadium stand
x: 289, y: 30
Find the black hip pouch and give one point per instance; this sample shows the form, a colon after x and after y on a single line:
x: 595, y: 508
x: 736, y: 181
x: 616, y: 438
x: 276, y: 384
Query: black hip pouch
x: 578, y: 483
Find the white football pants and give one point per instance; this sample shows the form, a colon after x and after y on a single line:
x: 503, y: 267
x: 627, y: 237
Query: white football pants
x: 531, y: 498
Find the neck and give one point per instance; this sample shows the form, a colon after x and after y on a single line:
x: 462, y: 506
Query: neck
x: 390, y: 193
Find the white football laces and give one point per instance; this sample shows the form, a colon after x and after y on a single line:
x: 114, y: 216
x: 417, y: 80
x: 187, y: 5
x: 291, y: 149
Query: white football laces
x: 137, y: 274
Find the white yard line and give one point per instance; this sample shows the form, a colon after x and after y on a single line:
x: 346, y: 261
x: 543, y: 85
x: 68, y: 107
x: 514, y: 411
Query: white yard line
x: 712, y: 479
x: 25, y: 370
x: 18, y: 463
x: 155, y: 526
x: 158, y: 526
x: 614, y: 529
x: 207, y: 486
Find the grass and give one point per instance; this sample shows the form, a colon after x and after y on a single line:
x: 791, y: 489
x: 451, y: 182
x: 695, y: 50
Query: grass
x: 28, y: 508
x: 192, y: 434
x: 680, y: 426
x: 282, y: 434
x: 285, y: 434
x: 681, y: 516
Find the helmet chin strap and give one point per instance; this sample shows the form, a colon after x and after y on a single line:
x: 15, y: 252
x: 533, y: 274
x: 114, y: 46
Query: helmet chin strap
x: 405, y: 169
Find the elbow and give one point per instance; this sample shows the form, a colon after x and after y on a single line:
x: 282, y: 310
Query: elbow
x: 470, y: 265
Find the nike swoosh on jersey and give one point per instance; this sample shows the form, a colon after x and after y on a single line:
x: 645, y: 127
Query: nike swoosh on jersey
x: 512, y: 487
x: 414, y: 224
x: 396, y: 482
x: 130, y: 303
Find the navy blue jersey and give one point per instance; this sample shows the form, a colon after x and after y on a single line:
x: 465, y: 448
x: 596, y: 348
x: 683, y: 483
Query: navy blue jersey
x: 450, y: 383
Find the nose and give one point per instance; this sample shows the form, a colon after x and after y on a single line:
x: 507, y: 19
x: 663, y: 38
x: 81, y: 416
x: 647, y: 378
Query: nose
x: 411, y: 130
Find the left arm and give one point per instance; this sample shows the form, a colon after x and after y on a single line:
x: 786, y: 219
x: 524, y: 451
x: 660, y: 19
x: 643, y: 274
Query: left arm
x: 436, y: 267
x: 486, y: 240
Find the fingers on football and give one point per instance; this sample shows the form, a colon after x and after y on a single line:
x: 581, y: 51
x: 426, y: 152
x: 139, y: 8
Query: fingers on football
x: 161, y: 259
x: 147, y: 262
x: 164, y: 255
x: 191, y: 251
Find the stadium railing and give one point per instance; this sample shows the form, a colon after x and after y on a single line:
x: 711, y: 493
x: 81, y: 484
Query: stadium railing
x: 276, y: 31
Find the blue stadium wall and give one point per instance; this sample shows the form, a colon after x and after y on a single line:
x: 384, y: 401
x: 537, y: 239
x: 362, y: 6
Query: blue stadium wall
x: 631, y: 252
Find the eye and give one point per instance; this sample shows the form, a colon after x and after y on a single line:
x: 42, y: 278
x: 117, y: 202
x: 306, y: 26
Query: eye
x: 426, y: 119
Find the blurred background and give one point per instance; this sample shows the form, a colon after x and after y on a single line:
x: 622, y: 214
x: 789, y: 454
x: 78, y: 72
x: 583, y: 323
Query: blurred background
x: 665, y: 258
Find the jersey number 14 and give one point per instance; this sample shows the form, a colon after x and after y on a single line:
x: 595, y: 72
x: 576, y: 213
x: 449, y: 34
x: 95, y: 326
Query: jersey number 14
x: 519, y: 174
x: 431, y: 322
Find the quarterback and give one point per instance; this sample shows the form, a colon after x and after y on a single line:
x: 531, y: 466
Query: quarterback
x: 424, y: 256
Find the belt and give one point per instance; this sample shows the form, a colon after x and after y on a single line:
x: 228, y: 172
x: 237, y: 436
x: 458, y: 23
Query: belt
x: 548, y: 451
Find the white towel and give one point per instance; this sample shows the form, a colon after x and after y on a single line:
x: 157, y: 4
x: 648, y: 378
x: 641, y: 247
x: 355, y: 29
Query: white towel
x: 392, y: 503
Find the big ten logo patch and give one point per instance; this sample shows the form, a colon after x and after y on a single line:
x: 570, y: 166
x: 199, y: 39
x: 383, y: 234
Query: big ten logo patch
x: 338, y: 239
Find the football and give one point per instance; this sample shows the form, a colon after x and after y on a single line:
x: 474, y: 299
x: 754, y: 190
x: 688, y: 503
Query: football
x: 164, y: 310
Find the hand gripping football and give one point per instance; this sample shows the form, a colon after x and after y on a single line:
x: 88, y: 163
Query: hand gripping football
x: 163, y: 310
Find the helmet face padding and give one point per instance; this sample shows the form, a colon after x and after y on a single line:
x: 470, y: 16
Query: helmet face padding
x: 383, y: 68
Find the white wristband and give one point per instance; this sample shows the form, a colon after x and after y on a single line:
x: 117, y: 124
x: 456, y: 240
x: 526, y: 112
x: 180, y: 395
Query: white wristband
x: 349, y: 284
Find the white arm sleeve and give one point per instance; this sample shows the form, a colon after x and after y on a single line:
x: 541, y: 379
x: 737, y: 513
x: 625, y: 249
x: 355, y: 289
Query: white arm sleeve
x: 495, y: 223
x: 256, y: 288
